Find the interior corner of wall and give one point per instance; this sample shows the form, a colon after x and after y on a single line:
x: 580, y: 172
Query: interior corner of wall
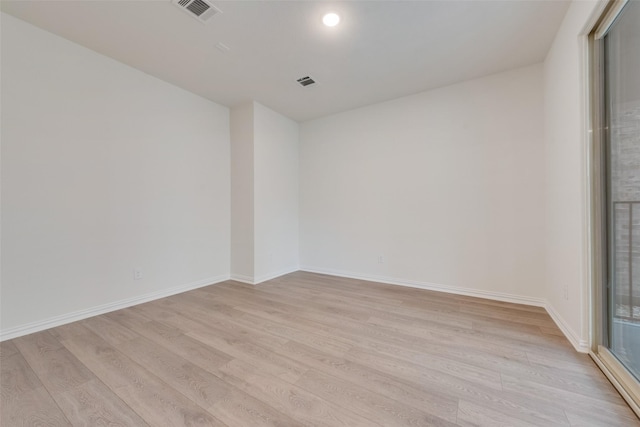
x: 580, y: 343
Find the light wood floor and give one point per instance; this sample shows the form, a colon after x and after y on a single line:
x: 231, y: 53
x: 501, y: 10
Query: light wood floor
x: 307, y: 349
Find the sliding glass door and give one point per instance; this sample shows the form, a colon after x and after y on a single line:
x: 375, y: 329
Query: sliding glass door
x: 620, y: 119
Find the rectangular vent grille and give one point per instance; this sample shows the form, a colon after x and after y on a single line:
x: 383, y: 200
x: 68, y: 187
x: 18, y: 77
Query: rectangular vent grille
x: 198, y: 7
x: 202, y: 10
x: 306, y: 81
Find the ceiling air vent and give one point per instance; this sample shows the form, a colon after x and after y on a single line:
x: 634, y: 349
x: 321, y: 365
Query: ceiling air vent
x: 202, y: 10
x: 306, y: 81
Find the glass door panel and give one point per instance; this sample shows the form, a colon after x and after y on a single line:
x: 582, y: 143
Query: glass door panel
x: 622, y: 109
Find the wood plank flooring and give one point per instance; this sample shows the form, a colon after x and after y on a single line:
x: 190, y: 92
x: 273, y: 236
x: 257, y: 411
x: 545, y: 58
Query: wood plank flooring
x: 307, y: 350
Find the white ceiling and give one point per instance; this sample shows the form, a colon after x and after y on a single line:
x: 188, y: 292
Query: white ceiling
x: 380, y: 50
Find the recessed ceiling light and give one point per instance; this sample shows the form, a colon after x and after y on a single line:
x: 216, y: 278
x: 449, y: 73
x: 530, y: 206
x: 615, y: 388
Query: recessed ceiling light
x: 331, y: 19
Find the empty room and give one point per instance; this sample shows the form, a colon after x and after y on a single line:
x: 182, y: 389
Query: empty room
x: 310, y: 213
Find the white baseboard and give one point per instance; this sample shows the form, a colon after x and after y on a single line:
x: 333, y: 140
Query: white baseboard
x: 243, y: 279
x: 255, y: 281
x: 52, y: 322
x: 272, y: 276
x: 580, y: 345
x: 498, y: 296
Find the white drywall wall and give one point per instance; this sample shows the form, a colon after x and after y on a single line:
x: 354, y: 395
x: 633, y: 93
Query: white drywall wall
x: 446, y: 186
x: 242, y: 193
x: 104, y: 169
x: 566, y: 235
x: 264, y: 166
x: 276, y: 193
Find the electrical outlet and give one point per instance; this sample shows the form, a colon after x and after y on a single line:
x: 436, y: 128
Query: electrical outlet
x: 566, y: 292
x: 380, y: 259
x: 137, y: 274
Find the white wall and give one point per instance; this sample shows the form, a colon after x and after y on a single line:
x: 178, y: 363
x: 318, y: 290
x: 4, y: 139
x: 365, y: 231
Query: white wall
x: 242, y: 193
x: 276, y: 193
x: 445, y: 185
x: 264, y: 216
x: 566, y: 235
x: 104, y: 169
